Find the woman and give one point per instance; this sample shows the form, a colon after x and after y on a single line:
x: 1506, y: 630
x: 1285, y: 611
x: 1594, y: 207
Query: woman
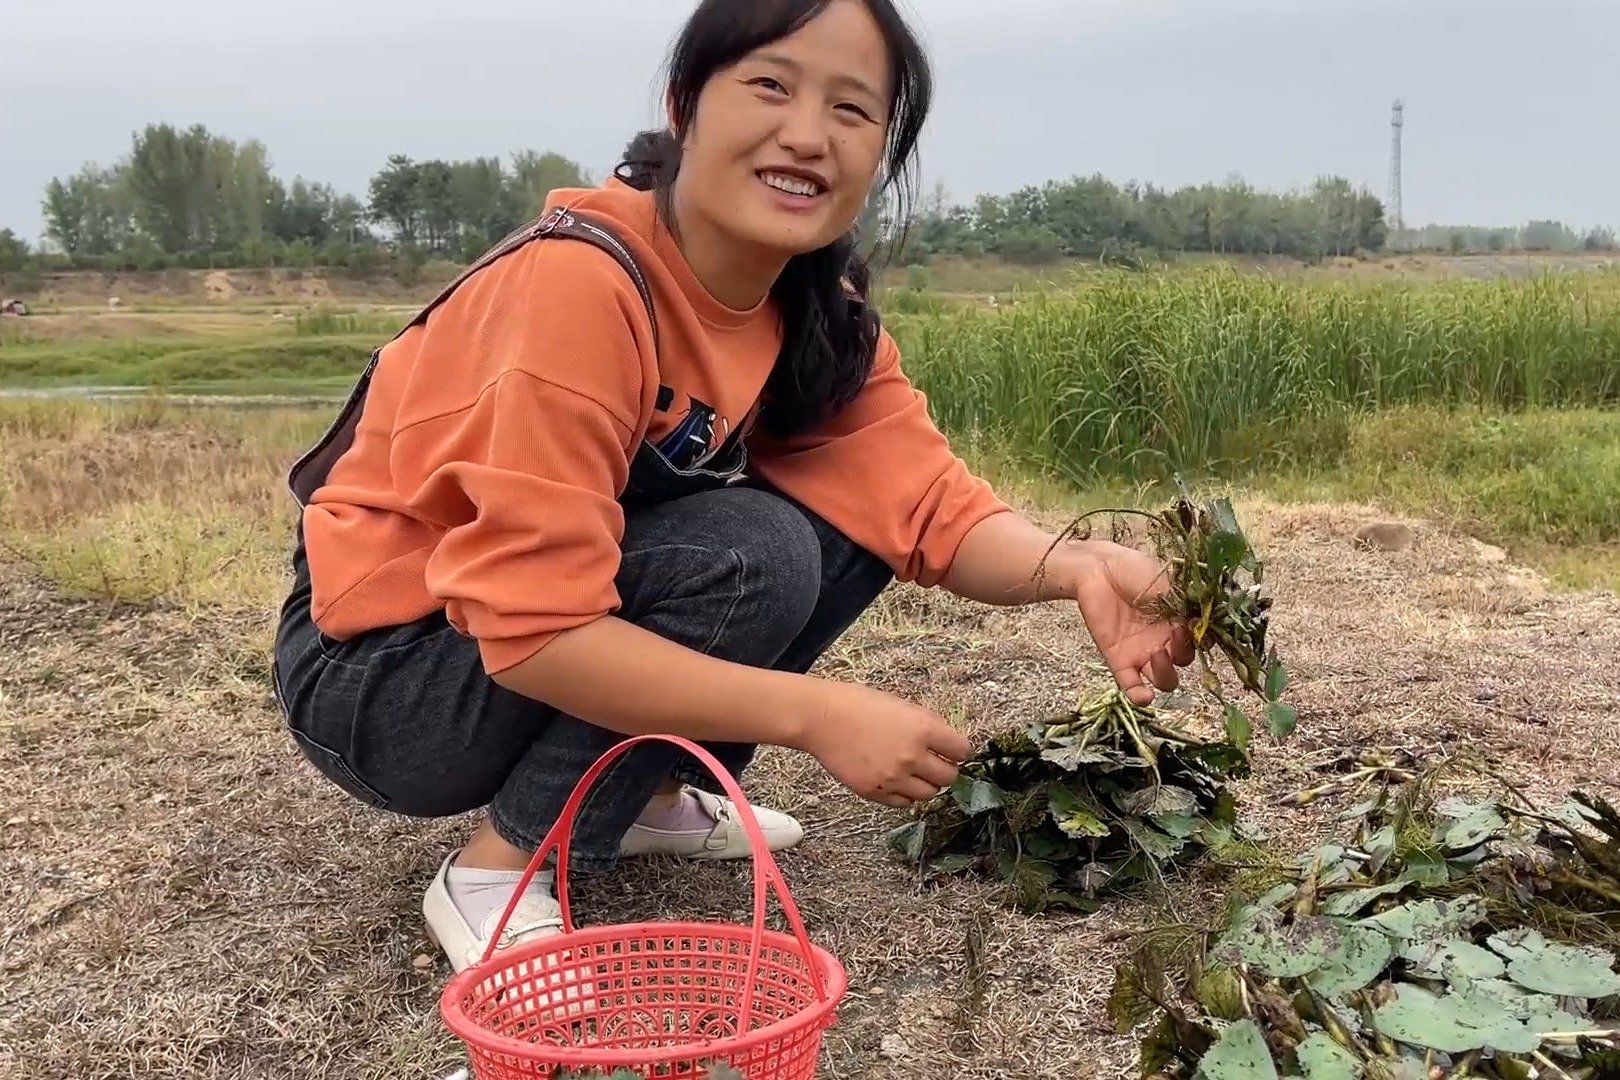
x: 565, y: 519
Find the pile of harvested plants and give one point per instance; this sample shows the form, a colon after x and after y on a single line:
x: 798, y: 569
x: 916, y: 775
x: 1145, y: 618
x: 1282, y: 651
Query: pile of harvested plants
x: 1448, y: 938
x: 1109, y: 793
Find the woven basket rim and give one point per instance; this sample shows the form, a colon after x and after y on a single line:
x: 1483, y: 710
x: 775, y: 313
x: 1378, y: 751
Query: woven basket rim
x: 817, y: 1015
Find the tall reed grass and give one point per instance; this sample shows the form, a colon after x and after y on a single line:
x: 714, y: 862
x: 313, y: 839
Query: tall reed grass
x: 1144, y: 375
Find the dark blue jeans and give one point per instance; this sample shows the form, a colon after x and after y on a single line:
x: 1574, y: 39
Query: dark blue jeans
x: 405, y: 719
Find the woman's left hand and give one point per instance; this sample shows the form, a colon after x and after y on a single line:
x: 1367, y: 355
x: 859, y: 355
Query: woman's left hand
x: 1112, y: 589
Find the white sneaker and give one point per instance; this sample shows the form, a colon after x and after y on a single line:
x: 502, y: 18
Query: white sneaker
x: 534, y: 917
x: 726, y: 839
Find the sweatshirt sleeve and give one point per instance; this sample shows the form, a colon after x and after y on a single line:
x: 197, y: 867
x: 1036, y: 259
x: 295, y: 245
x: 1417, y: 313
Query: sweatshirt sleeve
x: 883, y: 474
x: 524, y: 474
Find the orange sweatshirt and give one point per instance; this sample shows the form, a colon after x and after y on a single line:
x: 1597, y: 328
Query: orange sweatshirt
x: 496, y: 438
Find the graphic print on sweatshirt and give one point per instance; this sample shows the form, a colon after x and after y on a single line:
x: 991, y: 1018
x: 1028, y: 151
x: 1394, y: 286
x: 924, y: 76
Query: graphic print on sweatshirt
x: 690, y: 442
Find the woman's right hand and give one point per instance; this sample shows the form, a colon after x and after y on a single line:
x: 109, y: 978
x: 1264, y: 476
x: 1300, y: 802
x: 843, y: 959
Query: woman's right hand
x: 881, y: 746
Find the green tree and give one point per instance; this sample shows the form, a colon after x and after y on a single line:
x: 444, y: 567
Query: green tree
x: 394, y: 200
x: 437, y: 207
x: 536, y: 175
x: 195, y: 192
x: 14, y: 252
x: 91, y: 213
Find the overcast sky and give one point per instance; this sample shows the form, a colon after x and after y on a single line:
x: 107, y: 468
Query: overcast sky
x: 1511, y: 104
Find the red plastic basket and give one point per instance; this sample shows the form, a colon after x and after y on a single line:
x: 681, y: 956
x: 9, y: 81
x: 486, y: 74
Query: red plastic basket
x: 666, y: 999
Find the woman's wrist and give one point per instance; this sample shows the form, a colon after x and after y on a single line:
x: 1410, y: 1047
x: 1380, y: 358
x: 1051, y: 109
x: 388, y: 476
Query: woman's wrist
x: 1008, y: 561
x: 1068, y: 567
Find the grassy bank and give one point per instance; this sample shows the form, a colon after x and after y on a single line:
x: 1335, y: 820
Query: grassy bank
x: 144, y: 500
x: 1142, y: 375
x: 283, y: 360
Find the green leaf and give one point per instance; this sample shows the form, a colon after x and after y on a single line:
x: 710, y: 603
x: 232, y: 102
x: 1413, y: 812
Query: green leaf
x: 1157, y: 845
x: 1222, y: 759
x: 1424, y: 868
x: 1329, y: 863
x: 1077, y: 814
x: 1452, y: 960
x: 1092, y: 878
x: 1517, y: 944
x: 1276, y: 681
x: 1473, y: 830
x: 1567, y: 971
x: 1219, y: 990
x: 1223, y: 518
x: 1515, y: 1000
x: 1543, y: 1016
x: 1453, y: 1023
x: 1350, y: 903
x: 1030, y: 878
x: 1159, y: 799
x: 1063, y: 899
x: 1324, y: 1059
x: 1282, y: 951
x: 1226, y: 809
x: 1239, y: 731
x: 951, y: 864
x: 908, y: 839
x: 1160, y: 1047
x: 1380, y: 845
x: 1130, y: 1001
x: 1360, y: 957
x: 1072, y: 758
x: 1239, y: 1054
x: 1281, y: 719
x: 977, y: 796
x: 1422, y: 921
x: 1180, y: 826
x: 1226, y: 551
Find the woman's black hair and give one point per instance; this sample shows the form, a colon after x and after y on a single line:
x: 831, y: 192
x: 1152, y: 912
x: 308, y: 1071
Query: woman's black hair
x: 830, y: 331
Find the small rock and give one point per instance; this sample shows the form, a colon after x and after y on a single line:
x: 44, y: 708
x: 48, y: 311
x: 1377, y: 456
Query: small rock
x: 811, y: 802
x: 991, y: 684
x: 423, y: 962
x: 1487, y: 553
x: 1386, y: 536
x: 894, y: 1047
x: 20, y: 819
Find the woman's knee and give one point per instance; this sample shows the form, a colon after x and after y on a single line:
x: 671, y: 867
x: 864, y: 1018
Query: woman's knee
x: 780, y: 555
x: 735, y: 573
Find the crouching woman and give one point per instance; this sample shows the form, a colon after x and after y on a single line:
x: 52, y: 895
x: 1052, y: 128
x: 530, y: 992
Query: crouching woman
x: 640, y: 484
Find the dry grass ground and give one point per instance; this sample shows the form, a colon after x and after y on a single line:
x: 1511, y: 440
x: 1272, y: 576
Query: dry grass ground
x: 180, y: 896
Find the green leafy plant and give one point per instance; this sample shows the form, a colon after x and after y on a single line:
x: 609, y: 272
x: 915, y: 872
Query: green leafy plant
x: 1067, y: 811
x: 1108, y: 794
x: 1448, y: 938
x: 1216, y: 588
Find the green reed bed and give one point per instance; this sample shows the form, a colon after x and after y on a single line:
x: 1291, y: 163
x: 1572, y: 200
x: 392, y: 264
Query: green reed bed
x: 1142, y: 375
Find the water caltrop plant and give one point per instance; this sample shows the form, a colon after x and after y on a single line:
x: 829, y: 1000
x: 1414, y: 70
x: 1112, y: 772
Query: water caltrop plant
x: 1108, y: 794
x: 1445, y: 940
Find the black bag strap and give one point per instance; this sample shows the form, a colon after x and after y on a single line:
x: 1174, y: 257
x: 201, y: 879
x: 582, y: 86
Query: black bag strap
x: 310, y: 471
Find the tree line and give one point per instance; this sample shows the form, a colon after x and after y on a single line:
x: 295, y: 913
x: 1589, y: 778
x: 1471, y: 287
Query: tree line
x: 1538, y: 236
x: 1095, y: 218
x: 193, y: 198
x: 197, y: 199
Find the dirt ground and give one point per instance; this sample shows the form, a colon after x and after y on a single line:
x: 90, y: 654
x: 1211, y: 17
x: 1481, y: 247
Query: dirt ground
x: 180, y: 896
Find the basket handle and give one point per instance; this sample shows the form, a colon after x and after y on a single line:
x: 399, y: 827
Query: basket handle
x: 766, y: 873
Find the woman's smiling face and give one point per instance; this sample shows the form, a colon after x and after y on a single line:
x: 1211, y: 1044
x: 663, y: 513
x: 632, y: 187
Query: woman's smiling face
x: 785, y: 144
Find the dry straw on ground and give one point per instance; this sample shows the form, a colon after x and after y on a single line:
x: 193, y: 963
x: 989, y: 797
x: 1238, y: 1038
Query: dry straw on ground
x: 180, y: 896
